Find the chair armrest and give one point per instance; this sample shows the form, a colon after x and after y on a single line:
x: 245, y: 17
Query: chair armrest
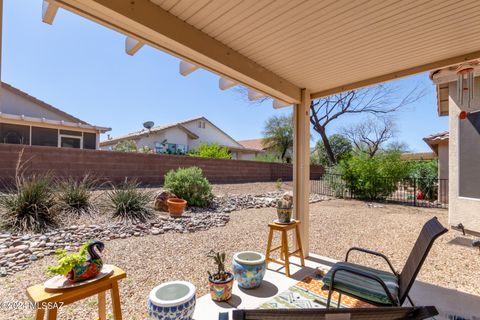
x: 378, y: 254
x: 362, y: 274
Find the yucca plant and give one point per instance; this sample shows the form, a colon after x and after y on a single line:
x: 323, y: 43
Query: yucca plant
x: 129, y: 202
x: 29, y: 205
x: 75, y: 196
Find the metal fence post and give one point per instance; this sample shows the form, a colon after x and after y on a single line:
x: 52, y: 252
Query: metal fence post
x: 415, y: 191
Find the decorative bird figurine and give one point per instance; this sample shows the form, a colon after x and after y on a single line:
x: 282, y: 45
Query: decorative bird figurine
x: 91, y: 267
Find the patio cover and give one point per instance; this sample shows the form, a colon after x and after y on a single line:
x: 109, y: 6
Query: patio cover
x: 294, y: 50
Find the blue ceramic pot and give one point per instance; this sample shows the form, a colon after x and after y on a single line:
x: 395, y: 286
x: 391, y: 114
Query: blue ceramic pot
x: 249, y: 269
x: 172, y: 300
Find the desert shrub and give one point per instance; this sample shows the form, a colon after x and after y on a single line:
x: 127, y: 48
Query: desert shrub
x: 75, y: 196
x: 426, y: 175
x: 211, y: 151
x: 374, y: 178
x: 191, y: 185
x: 125, y: 146
x: 30, y: 205
x: 268, y: 157
x: 129, y: 202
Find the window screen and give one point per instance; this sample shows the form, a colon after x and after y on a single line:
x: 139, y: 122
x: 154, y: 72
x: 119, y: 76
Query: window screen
x: 89, y: 140
x: 71, y: 133
x: 44, y: 137
x: 15, y: 134
x: 469, y: 156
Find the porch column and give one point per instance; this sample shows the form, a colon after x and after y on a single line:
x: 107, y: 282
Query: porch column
x: 301, y: 167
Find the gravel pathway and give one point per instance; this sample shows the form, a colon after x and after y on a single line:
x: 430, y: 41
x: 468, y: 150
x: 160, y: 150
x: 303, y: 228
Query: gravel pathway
x: 335, y: 226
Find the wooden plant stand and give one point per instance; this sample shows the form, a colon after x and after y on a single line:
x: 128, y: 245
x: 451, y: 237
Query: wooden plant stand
x: 283, y: 247
x: 50, y: 302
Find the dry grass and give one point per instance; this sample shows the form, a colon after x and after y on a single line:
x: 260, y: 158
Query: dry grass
x: 335, y: 226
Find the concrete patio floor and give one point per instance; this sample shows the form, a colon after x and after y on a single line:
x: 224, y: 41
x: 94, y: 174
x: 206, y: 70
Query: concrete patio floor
x: 447, y: 301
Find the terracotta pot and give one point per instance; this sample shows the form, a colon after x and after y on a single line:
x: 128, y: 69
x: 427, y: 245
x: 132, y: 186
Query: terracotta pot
x: 176, y: 206
x: 221, y: 290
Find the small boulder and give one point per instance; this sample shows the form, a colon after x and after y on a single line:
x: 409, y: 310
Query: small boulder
x: 161, y: 200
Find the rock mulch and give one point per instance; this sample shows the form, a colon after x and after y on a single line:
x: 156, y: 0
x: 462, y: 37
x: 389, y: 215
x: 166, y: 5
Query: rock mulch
x: 18, y: 251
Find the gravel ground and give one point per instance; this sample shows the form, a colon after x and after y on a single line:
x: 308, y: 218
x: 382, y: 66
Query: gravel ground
x: 335, y: 226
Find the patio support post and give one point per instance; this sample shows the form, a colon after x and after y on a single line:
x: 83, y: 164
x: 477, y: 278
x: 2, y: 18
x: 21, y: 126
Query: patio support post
x: 301, y: 167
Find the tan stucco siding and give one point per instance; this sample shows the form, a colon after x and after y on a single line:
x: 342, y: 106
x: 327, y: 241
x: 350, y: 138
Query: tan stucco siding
x: 461, y: 210
x: 443, y: 169
x: 246, y: 155
x: 209, y: 134
x: 18, y: 105
x: 172, y: 135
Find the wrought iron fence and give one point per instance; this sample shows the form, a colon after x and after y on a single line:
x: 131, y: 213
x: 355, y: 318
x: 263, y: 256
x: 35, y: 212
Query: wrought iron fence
x: 431, y: 193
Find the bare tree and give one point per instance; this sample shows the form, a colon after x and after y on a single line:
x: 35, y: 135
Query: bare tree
x: 370, y: 135
x: 379, y: 100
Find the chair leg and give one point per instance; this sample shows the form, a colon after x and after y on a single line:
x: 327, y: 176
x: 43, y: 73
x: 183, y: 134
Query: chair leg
x: 329, y: 298
x: 410, y: 300
x: 285, y: 252
x: 339, y: 300
x: 299, y: 246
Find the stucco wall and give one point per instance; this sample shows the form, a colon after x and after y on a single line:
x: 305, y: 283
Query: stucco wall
x: 443, y: 172
x: 18, y: 105
x: 461, y: 210
x: 172, y: 135
x: 209, y: 134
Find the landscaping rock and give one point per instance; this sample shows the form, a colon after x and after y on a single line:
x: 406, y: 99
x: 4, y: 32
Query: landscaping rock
x: 160, y: 203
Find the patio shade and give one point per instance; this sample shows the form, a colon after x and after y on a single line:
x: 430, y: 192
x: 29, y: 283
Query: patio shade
x: 295, y: 50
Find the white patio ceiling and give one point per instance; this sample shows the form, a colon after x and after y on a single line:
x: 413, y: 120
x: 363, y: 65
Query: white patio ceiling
x: 280, y: 46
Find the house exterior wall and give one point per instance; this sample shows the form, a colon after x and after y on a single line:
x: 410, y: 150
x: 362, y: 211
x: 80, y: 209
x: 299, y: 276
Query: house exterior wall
x: 209, y: 134
x: 18, y: 105
x: 172, y: 135
x: 461, y: 210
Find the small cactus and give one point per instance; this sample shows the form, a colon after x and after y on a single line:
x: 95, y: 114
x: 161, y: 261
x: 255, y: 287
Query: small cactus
x: 285, y: 202
x: 219, y: 258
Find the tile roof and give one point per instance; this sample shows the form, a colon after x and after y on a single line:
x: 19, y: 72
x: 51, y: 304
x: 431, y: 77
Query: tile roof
x: 254, y: 144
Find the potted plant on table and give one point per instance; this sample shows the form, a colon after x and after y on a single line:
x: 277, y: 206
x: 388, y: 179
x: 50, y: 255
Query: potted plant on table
x: 221, y: 282
x: 284, y: 208
x: 75, y: 266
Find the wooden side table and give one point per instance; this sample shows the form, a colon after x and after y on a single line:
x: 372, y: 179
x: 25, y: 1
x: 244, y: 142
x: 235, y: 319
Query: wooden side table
x: 283, y: 247
x: 50, y: 302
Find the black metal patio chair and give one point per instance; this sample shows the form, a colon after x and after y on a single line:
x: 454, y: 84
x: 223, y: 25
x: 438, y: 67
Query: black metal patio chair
x: 378, y: 287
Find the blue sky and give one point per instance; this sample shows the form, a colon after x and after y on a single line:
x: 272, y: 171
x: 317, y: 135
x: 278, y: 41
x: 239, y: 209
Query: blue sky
x: 81, y: 68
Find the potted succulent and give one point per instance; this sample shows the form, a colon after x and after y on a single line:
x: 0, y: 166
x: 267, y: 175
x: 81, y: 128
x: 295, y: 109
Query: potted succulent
x: 75, y: 266
x: 176, y: 206
x: 221, y: 282
x: 284, y: 208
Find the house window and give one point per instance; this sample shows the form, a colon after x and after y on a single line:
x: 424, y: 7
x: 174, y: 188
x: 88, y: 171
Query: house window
x: 70, y: 141
x: 201, y: 124
x: 44, y: 137
x: 14, y: 134
x: 468, y: 156
x: 89, y: 141
x: 171, y: 148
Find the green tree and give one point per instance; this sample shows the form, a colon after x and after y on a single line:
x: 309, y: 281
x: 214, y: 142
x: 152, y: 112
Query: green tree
x: 211, y: 151
x: 341, y: 148
x: 374, y: 178
x: 278, y: 135
x: 125, y: 146
x: 426, y: 175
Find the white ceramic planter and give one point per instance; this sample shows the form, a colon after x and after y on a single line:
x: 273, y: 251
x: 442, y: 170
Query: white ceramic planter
x: 172, y: 300
x: 249, y: 269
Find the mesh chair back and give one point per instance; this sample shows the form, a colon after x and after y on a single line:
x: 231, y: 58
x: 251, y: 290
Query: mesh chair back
x: 430, y: 232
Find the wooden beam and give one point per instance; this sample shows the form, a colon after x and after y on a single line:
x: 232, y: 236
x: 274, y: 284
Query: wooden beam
x: 148, y: 22
x: 225, y: 84
x: 186, y: 68
x: 277, y: 104
x: 301, y: 167
x: 399, y: 74
x: 49, y: 11
x: 132, y: 45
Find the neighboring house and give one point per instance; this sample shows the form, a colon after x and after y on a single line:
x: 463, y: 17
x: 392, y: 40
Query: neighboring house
x: 463, y: 145
x: 181, y: 137
x: 29, y: 121
x: 257, y: 144
x: 439, y: 144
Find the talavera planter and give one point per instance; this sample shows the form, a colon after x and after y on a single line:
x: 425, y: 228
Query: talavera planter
x: 249, y: 269
x: 172, y: 300
x: 221, y: 290
x: 284, y: 215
